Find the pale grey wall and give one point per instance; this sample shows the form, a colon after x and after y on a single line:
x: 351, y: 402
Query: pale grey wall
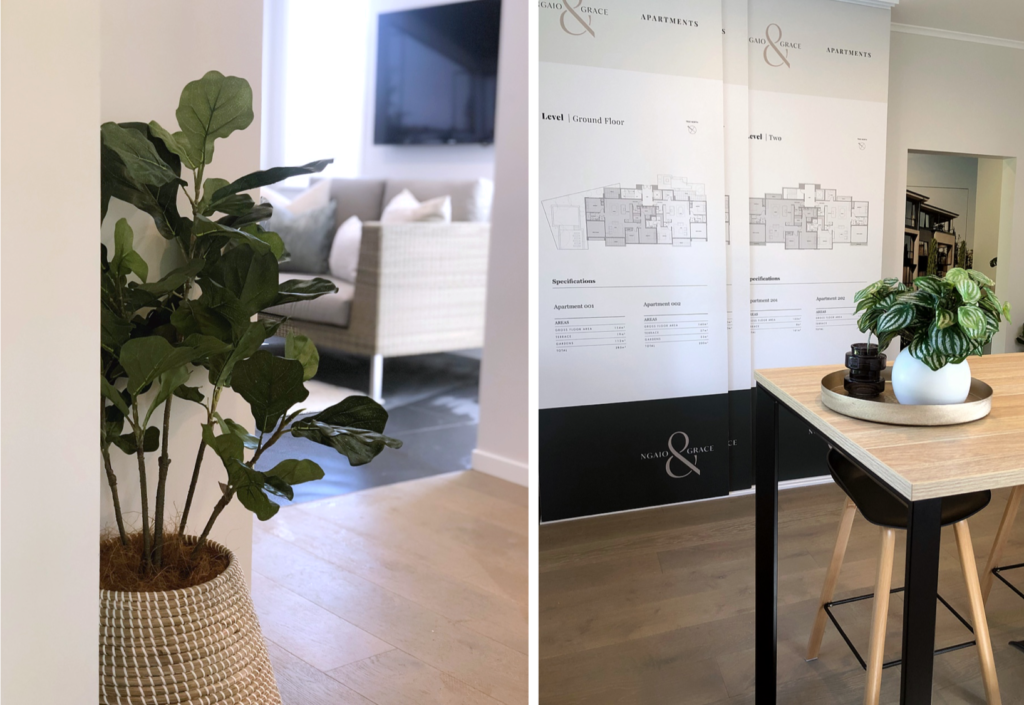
x: 50, y: 482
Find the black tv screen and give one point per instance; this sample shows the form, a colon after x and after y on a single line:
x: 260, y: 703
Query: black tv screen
x: 437, y: 74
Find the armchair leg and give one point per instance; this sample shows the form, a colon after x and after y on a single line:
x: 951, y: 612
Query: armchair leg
x: 377, y: 378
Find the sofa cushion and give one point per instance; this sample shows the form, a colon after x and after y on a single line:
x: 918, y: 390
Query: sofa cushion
x: 332, y: 309
x: 363, y: 198
x: 471, y: 199
x: 307, y: 238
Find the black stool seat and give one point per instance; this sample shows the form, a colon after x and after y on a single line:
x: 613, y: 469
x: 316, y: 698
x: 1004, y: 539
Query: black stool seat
x: 880, y: 507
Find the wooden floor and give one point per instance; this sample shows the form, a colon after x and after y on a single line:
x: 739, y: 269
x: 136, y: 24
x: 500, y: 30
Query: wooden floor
x: 656, y: 607
x: 413, y: 593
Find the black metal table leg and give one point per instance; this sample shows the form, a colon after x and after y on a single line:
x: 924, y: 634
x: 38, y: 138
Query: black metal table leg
x: 922, y: 582
x: 766, y: 479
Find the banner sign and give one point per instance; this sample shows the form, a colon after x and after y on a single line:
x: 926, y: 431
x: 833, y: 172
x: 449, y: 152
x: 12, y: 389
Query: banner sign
x: 701, y: 215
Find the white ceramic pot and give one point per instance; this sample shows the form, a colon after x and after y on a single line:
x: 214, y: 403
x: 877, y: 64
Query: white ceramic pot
x: 913, y: 382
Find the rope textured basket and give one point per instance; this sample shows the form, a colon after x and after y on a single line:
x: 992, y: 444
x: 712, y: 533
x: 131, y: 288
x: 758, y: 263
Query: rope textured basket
x: 198, y: 645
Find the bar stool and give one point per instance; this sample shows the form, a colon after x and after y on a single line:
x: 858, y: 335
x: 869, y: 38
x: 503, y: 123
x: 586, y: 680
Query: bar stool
x: 992, y: 568
x: 881, y: 508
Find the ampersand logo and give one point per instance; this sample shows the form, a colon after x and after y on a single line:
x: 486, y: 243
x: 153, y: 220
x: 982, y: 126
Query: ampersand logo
x: 781, y: 53
x: 690, y: 468
x: 580, y: 20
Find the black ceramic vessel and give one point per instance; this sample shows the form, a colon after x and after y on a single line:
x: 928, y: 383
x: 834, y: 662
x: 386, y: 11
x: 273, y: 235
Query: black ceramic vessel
x: 864, y: 381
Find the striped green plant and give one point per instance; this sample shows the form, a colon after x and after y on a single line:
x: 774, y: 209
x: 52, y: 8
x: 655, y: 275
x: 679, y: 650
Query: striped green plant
x: 945, y: 319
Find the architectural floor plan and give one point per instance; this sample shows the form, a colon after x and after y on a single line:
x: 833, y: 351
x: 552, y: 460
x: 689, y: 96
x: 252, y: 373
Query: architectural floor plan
x: 669, y: 212
x: 808, y: 217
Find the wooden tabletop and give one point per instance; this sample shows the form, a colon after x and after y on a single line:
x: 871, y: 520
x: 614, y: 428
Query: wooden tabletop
x: 923, y: 462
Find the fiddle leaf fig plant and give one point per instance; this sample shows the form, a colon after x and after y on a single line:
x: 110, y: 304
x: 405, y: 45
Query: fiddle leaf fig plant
x: 946, y: 319
x: 193, y: 334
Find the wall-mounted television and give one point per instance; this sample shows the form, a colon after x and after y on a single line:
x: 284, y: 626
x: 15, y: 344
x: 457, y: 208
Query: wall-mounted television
x: 437, y: 74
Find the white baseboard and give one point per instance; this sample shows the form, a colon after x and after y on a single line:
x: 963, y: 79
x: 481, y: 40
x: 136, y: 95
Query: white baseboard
x: 784, y: 485
x: 501, y: 467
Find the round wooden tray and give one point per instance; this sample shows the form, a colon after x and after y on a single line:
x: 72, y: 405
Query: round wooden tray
x: 886, y: 409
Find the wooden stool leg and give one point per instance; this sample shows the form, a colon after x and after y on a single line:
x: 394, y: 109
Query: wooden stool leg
x: 996, y: 554
x: 831, y: 578
x: 981, y: 635
x: 883, y: 584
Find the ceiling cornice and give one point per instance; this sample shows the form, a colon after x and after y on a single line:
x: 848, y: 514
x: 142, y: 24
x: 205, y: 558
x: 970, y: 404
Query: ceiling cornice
x: 958, y: 36
x: 881, y: 4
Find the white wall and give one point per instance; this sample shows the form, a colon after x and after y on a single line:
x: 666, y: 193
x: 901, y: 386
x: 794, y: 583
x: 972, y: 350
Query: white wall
x: 50, y: 483
x: 149, y: 52
x: 986, y: 223
x: 950, y: 181
x: 454, y: 161
x: 979, y: 114
x: 502, y: 438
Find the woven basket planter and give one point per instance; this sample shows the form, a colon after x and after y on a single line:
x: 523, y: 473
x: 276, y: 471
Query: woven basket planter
x: 198, y: 645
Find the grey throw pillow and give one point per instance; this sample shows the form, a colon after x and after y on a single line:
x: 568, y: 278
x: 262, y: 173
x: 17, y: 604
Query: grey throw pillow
x: 307, y: 238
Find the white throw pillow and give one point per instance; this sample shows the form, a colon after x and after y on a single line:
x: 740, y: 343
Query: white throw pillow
x: 344, y: 258
x: 406, y: 208
x: 316, y: 196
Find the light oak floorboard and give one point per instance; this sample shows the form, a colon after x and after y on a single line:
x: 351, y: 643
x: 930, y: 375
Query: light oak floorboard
x: 661, y: 611
x: 396, y: 678
x: 315, y: 635
x: 434, y: 571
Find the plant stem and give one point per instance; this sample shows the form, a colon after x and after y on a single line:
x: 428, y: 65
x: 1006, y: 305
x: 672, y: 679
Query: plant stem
x: 140, y: 434
x: 112, y: 482
x: 161, y: 485
x: 221, y: 503
x: 199, y: 462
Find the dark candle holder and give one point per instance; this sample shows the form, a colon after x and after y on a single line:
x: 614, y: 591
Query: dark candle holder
x: 866, y: 364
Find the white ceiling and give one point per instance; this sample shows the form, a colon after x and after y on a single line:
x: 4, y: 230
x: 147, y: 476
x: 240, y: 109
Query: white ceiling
x: 990, y: 18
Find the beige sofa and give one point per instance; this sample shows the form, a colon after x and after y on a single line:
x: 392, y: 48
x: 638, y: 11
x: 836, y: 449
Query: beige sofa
x: 419, y: 288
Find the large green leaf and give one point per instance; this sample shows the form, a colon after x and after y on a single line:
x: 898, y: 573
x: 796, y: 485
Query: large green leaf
x: 931, y: 284
x: 295, y: 472
x: 944, y: 318
x: 231, y: 426
x: 174, y: 279
x: 160, y: 203
x: 234, y: 204
x: 205, y: 227
x: 145, y: 359
x: 249, y: 484
x: 896, y: 318
x: 358, y: 445
x: 125, y: 258
x: 249, y: 342
x: 869, y: 320
x: 356, y: 412
x: 922, y: 348
x: 169, y: 381
x: 110, y: 392
x: 956, y: 275
x: 177, y: 143
x: 150, y: 441
x: 114, y: 330
x: 301, y: 348
x: 227, y: 446
x: 971, y: 321
x: 271, y: 176
x: 213, y: 107
x: 980, y: 278
x: 868, y: 290
x: 271, y: 385
x: 303, y: 290
x: 142, y: 163
x: 950, y: 342
x: 251, y: 276
x: 192, y: 317
x: 969, y: 289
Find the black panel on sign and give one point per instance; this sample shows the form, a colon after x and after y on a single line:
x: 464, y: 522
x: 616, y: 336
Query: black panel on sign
x: 611, y: 457
x: 741, y: 439
x: 801, y: 453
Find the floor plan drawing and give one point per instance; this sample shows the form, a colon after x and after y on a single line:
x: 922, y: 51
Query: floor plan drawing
x: 669, y: 212
x: 808, y: 217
